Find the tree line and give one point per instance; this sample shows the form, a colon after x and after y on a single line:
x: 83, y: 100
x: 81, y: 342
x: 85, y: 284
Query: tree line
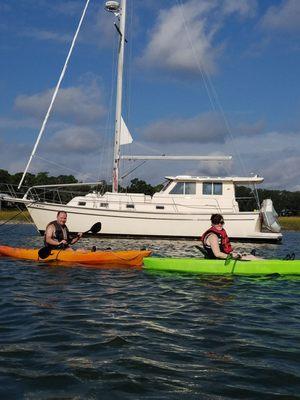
x: 285, y: 202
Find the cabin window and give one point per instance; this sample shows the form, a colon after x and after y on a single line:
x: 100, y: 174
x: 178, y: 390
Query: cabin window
x: 160, y: 207
x: 215, y: 188
x: 190, y: 188
x: 178, y: 188
x: 184, y: 188
x: 104, y: 205
x: 81, y: 203
x: 207, y: 188
x: 129, y: 205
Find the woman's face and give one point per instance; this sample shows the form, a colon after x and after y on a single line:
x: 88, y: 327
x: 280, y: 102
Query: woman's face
x: 220, y: 224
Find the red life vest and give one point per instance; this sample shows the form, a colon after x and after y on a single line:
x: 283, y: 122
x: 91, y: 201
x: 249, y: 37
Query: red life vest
x: 225, y: 245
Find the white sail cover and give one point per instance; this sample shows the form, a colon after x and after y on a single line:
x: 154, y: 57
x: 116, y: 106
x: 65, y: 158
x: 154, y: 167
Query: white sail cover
x: 125, y: 137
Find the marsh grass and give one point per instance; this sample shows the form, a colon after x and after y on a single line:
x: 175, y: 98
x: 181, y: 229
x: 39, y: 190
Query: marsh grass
x: 290, y: 223
x: 14, y: 215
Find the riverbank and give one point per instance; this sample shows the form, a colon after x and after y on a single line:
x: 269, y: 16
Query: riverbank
x: 287, y: 223
x: 15, y: 216
x: 290, y: 223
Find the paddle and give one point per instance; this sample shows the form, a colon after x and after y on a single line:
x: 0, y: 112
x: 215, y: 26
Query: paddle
x: 202, y: 250
x: 45, y: 251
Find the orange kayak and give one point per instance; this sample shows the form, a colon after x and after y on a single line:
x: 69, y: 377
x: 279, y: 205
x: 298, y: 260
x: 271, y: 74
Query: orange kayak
x: 132, y: 258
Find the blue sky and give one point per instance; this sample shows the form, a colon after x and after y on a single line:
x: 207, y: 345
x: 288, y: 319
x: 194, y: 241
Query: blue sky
x: 202, y: 77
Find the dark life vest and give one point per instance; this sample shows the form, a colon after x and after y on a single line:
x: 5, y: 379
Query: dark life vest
x: 225, y: 245
x: 61, y: 233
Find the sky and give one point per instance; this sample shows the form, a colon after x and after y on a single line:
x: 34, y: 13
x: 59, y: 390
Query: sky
x: 202, y: 77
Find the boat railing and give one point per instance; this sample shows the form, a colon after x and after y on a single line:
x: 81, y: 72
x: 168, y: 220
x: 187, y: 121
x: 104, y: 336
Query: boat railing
x: 59, y: 193
x: 10, y: 191
x: 246, y: 203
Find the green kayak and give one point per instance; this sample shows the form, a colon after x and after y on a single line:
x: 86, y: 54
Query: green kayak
x: 220, y: 267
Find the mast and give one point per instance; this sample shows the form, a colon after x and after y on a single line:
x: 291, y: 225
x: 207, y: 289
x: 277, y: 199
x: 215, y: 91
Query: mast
x: 120, y: 11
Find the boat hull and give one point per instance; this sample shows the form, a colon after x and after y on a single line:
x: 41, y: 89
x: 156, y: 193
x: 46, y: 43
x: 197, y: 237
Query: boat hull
x: 132, y: 258
x: 242, y: 226
x: 219, y: 267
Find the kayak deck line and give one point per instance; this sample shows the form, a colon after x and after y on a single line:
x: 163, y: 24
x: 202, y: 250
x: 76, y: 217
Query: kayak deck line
x: 219, y: 267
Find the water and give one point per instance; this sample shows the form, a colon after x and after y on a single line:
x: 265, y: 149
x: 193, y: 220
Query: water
x: 75, y: 333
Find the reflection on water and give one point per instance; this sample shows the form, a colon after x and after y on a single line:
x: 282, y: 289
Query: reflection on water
x: 75, y: 333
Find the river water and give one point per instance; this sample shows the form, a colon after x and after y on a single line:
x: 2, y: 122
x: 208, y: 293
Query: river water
x: 75, y: 333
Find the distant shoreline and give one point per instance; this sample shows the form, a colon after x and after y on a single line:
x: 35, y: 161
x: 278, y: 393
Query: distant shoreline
x: 13, y: 216
x: 287, y: 223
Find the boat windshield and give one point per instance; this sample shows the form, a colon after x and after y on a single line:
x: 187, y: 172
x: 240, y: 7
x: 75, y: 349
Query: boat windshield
x: 166, y: 185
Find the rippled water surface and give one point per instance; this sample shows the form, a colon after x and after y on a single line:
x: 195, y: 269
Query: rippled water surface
x: 75, y: 333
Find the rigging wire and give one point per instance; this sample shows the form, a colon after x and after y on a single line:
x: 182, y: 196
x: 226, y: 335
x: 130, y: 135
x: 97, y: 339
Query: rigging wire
x: 54, y: 93
x: 12, y: 226
x: 58, y: 165
x: 109, y: 126
x: 211, y: 91
x: 213, y: 95
x: 129, y: 172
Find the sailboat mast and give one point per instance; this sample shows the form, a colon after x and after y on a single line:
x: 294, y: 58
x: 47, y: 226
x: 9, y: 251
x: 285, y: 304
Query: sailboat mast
x: 116, y: 162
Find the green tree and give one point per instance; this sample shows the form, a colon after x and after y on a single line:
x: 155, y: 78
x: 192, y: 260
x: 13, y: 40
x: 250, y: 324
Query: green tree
x: 140, y: 186
x: 4, y: 176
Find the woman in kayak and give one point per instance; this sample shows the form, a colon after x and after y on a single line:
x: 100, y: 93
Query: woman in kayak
x: 216, y: 241
x: 57, y: 233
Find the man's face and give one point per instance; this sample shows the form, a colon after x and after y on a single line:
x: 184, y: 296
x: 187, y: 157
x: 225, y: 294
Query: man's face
x: 62, y: 218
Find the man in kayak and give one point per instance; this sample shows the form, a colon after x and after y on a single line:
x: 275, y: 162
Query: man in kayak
x: 57, y: 233
x: 216, y: 241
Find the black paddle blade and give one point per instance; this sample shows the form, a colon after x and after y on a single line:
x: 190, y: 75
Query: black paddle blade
x: 202, y: 250
x: 96, y: 227
x: 44, y: 252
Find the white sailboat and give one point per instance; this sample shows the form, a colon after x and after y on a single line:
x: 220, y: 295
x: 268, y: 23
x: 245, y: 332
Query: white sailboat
x: 182, y: 209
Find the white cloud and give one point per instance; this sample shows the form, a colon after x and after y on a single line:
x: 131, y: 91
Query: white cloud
x: 283, y: 17
x: 245, y: 8
x: 183, y: 38
x: 15, y: 123
x: 205, y: 128
x: 169, y: 45
x: 274, y: 155
x: 256, y: 128
x: 81, y: 104
x: 73, y: 140
x: 40, y: 34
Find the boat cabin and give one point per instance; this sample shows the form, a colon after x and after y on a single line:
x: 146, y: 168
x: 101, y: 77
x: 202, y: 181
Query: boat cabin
x: 182, y: 193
